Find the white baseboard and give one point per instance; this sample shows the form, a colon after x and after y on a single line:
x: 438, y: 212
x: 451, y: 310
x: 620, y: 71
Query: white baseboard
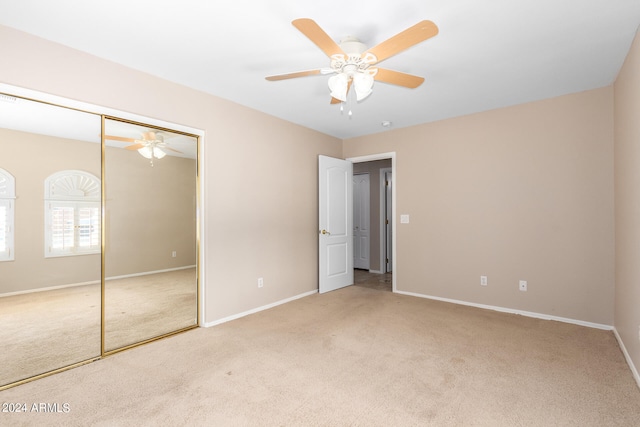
x: 50, y: 288
x: 94, y: 282
x: 146, y: 273
x: 258, y: 309
x: 376, y: 272
x: 634, y: 371
x: 512, y: 311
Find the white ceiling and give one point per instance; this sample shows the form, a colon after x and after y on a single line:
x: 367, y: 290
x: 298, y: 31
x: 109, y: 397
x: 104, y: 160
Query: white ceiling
x: 488, y: 54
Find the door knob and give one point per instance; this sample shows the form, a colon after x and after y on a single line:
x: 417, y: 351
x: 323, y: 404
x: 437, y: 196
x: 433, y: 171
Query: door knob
x: 324, y: 232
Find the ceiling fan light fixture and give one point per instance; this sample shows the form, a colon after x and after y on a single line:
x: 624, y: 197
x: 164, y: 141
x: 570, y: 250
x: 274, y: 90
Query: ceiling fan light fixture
x: 146, y: 152
x: 363, y: 84
x: 151, y: 152
x: 158, y: 153
x: 338, y: 85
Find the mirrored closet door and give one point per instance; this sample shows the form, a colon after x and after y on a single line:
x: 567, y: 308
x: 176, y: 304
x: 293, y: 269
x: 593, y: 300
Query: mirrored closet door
x: 50, y: 272
x: 150, y: 233
x: 98, y: 236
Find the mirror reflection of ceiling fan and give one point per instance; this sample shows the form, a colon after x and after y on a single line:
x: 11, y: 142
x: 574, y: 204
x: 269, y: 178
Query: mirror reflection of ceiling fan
x: 151, y: 146
x: 355, y: 65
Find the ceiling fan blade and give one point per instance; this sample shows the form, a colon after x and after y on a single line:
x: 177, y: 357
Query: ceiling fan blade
x: 420, y: 32
x: 172, y: 149
x: 149, y: 136
x: 119, y: 138
x: 398, y: 78
x: 135, y: 146
x: 309, y: 28
x: 293, y: 75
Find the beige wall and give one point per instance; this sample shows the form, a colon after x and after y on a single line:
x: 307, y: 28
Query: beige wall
x: 517, y: 193
x: 627, y: 202
x: 261, y: 172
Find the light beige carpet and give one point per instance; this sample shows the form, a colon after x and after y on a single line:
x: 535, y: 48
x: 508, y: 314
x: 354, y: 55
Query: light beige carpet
x: 352, y: 357
x: 43, y: 331
x: 143, y: 307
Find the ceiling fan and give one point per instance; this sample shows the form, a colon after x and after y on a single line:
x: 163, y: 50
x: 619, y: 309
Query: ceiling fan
x: 355, y: 65
x: 151, y: 146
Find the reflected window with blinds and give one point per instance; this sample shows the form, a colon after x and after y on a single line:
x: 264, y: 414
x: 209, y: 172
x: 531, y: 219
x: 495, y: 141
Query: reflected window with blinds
x: 72, y: 214
x: 7, y: 197
x: 75, y: 228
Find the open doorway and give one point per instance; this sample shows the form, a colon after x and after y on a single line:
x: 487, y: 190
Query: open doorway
x: 373, y: 223
x: 377, y: 281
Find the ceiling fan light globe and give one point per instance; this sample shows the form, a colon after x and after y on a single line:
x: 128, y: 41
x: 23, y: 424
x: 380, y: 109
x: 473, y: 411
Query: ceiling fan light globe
x: 158, y: 153
x: 146, y: 152
x: 363, y: 85
x: 362, y: 95
x: 338, y: 85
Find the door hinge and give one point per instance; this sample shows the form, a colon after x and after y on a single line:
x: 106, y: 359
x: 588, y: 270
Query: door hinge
x: 387, y: 222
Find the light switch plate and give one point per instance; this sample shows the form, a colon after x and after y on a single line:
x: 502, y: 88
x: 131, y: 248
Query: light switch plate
x: 404, y: 219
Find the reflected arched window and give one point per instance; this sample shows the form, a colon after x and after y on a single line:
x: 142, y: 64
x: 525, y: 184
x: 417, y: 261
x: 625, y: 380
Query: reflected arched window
x: 7, y: 214
x: 72, y: 214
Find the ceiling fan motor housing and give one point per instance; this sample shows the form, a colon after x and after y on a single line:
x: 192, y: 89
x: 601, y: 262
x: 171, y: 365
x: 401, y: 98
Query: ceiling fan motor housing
x: 352, y: 46
x: 353, y: 61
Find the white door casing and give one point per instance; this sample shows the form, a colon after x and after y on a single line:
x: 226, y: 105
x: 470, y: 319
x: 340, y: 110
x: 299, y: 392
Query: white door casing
x: 361, y: 221
x: 394, y: 182
x: 388, y: 221
x: 335, y: 223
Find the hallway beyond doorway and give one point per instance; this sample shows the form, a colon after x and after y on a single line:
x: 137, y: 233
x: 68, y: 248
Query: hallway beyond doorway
x: 366, y: 279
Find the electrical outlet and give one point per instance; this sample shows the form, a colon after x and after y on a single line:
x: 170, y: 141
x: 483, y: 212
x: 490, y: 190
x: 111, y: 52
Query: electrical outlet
x: 174, y: 254
x: 523, y: 285
x: 260, y: 282
x: 483, y: 281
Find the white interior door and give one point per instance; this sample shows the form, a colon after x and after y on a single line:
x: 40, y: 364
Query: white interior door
x: 361, y: 221
x: 335, y: 223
